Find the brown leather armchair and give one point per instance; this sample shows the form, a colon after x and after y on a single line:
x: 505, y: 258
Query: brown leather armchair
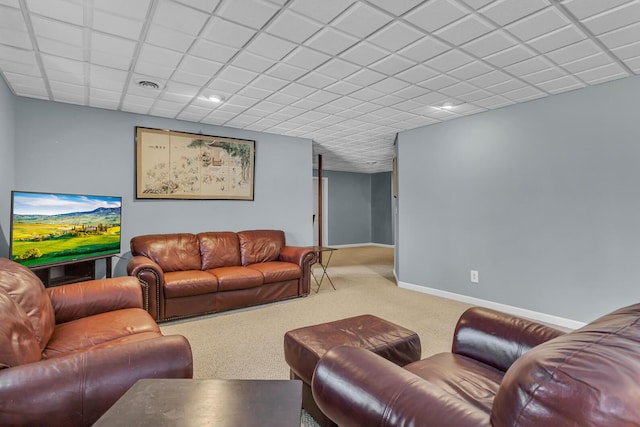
x: 68, y: 353
x: 502, y: 371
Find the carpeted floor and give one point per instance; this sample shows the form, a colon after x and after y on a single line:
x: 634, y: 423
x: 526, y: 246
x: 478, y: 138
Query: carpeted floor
x: 248, y: 343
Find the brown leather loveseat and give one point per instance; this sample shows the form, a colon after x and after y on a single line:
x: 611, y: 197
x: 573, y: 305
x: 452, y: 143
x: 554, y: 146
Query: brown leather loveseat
x: 187, y: 274
x: 68, y: 353
x: 503, y: 371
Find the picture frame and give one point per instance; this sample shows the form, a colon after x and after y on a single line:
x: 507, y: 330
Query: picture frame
x: 181, y: 165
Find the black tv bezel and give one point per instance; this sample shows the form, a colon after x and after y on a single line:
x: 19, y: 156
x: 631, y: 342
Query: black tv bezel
x: 67, y: 261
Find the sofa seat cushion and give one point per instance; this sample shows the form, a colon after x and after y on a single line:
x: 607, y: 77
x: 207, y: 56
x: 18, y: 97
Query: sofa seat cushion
x: 277, y: 271
x: 235, y: 278
x: 189, y: 283
x: 90, y: 331
x: 462, y: 377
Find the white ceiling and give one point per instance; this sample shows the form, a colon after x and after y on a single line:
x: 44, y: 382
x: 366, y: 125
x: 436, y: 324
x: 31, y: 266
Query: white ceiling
x: 348, y: 74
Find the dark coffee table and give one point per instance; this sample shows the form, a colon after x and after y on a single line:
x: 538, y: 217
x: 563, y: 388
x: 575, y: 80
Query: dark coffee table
x: 220, y: 403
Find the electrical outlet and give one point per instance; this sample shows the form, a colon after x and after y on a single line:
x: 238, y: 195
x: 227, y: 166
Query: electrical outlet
x: 475, y: 278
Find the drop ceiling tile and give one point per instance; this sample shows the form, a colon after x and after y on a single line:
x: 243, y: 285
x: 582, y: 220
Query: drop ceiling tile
x: 416, y: 74
x: 337, y: 68
x: 391, y: 65
x: 134, y: 9
x: 439, y: 82
x: 242, y: 101
x: 10, y: 3
x: 268, y: 83
x: 168, y: 38
x: 449, y: 60
x: 193, y: 64
x: 212, y: 51
x: 366, y: 94
x: 55, y: 30
x: 159, y: 55
x: 61, y: 90
x: 270, y: 46
x: 110, y: 104
x: 628, y: 51
x: 364, y: 53
x: 622, y: 36
x: 293, y: 27
x: 297, y: 90
x: 324, y: 11
x: 179, y: 17
x: 361, y: 20
x: 507, y: 86
x: 489, y: 44
x: 253, y: 13
x: 573, y: 52
x: 587, y: 63
x: 477, y: 4
x: 504, y: 12
x: 471, y: 70
x: 435, y: 14
x: 316, y: 80
x: 286, y: 71
x: 61, y: 49
x: 634, y: 64
x: 365, y: 77
x: 557, y: 39
x: 613, y: 19
x: 602, y: 74
x: 395, y: 36
x: 13, y: 30
x: 389, y: 85
x: 424, y: 49
x: 119, y: 62
x: 342, y: 87
x: 204, y: 5
x: 20, y: 68
x: 523, y: 94
x: 562, y: 84
x: 458, y: 89
x: 70, y: 66
x: 544, y: 75
x: 193, y: 114
x: 323, y: 96
x: 475, y: 96
x: 107, y: 78
x: 227, y: 33
x: 237, y: 75
x: 510, y: 56
x: 538, y: 24
x: 494, y: 102
x: 306, y: 58
x: 191, y: 78
x: 463, y: 30
x: 331, y: 41
x: 117, y: 25
x: 112, y: 44
x: 59, y: 10
x: 585, y: 8
x: 528, y: 66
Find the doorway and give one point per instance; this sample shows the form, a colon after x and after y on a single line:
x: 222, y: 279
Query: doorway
x: 325, y: 214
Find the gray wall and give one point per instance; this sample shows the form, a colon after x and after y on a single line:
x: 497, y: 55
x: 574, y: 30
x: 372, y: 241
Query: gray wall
x: 359, y: 208
x: 7, y: 139
x: 381, y: 197
x: 542, y: 198
x: 73, y: 149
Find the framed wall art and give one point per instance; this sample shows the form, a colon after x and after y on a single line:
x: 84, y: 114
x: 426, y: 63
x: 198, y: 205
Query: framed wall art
x: 180, y: 165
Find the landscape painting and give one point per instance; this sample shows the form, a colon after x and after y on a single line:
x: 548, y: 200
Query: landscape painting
x: 53, y: 228
x: 179, y: 165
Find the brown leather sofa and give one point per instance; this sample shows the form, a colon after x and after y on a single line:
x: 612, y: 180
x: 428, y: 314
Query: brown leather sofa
x: 68, y: 353
x: 190, y: 274
x: 502, y: 371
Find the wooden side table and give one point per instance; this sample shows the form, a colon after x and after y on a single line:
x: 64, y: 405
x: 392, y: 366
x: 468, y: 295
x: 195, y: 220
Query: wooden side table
x: 220, y: 403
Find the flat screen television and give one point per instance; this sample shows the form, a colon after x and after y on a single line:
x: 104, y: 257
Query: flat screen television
x: 53, y: 228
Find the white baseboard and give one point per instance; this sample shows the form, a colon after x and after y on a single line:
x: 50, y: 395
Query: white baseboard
x: 359, y: 245
x: 517, y: 311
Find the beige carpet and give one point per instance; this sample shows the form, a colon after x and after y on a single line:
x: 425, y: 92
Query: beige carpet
x: 248, y: 343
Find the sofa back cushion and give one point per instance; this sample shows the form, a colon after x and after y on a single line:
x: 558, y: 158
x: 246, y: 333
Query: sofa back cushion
x: 586, y: 377
x: 260, y: 245
x: 172, y: 252
x: 29, y: 294
x: 219, y: 249
x: 18, y: 343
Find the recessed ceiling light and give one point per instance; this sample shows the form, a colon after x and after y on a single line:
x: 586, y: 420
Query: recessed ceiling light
x: 148, y: 84
x: 447, y: 106
x: 216, y: 98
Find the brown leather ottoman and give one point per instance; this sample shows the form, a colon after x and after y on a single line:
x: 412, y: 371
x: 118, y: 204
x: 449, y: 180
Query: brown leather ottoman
x: 303, y: 348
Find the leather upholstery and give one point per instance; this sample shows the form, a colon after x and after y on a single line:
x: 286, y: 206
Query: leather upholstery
x: 502, y: 371
x: 233, y: 270
x: 101, y: 341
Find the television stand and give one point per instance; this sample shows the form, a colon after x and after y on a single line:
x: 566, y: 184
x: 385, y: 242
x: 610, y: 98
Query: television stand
x: 71, y: 272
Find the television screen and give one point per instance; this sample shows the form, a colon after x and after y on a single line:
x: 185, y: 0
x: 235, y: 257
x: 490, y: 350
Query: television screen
x: 52, y: 228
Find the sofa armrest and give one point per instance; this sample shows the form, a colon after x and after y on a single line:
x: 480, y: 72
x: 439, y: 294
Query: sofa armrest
x: 82, y: 299
x: 496, y: 338
x: 78, y: 388
x: 303, y: 256
x: 355, y: 387
x: 151, y: 278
